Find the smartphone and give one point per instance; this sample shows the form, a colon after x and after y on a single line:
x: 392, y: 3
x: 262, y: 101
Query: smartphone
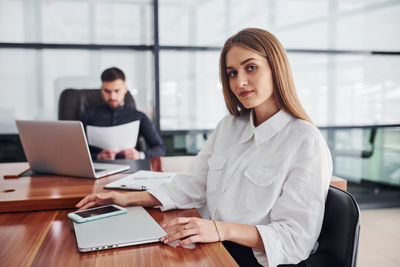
x: 96, y: 213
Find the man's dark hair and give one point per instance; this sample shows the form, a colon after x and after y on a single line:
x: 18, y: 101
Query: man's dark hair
x: 112, y: 74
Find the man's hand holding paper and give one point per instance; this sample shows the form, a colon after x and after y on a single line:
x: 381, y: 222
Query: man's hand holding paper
x: 107, y: 155
x: 120, y: 139
x: 130, y: 153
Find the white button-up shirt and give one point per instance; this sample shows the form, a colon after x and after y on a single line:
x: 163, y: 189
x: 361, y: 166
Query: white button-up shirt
x: 274, y: 176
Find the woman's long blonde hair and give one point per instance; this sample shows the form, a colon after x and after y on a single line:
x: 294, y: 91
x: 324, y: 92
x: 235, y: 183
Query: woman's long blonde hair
x: 267, y: 45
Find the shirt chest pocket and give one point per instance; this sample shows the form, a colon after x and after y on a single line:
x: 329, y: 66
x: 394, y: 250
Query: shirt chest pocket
x: 261, y: 188
x: 216, y: 165
x: 260, y: 176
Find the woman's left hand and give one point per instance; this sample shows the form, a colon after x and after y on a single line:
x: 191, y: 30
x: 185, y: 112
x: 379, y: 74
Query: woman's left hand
x: 190, y: 230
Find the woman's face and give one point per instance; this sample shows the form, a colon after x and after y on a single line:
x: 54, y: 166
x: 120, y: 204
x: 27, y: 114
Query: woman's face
x: 250, y: 78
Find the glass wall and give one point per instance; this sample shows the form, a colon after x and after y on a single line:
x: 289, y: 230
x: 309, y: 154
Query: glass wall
x: 191, y: 95
x: 345, y: 57
x: 78, y: 22
x: 33, y: 77
x: 354, y: 87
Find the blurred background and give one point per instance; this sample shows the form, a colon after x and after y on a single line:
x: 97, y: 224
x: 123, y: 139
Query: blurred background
x: 344, y: 54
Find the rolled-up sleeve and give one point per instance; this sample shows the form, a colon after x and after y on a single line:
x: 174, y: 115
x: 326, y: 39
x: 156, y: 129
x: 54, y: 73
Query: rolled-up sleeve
x: 296, y: 218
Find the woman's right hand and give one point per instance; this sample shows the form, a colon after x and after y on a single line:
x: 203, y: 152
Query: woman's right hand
x: 101, y: 200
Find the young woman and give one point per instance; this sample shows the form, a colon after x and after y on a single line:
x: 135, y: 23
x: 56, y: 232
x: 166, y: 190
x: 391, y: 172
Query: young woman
x: 262, y: 177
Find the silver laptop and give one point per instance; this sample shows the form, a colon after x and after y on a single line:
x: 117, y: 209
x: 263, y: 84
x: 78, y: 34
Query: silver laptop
x: 60, y: 147
x: 132, y: 228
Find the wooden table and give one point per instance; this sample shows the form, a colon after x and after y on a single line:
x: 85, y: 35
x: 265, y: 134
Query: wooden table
x: 43, y: 192
x: 60, y: 192
x: 46, y: 237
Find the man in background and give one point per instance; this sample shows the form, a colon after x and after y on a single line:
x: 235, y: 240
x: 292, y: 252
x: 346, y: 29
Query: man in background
x: 114, y: 112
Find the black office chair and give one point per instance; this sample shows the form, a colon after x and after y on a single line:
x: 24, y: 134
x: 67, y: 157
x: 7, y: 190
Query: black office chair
x: 338, y: 240
x: 74, y: 102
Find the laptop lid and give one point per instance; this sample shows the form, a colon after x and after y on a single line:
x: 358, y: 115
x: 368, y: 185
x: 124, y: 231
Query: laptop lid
x: 60, y: 147
x: 132, y: 228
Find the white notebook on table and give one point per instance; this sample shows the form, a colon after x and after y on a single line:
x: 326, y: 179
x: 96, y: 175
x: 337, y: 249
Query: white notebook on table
x: 141, y: 180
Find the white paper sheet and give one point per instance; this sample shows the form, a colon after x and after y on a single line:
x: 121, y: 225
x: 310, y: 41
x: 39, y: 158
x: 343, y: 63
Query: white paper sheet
x: 139, y: 179
x: 114, y: 138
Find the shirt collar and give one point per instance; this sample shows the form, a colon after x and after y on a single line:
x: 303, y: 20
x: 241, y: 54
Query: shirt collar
x: 265, y: 130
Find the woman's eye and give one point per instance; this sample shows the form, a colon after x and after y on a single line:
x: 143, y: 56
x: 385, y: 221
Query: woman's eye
x: 232, y: 74
x: 251, y: 67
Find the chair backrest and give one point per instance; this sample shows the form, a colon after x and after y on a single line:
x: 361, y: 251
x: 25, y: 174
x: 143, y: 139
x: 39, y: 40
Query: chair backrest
x: 74, y: 102
x: 338, y: 240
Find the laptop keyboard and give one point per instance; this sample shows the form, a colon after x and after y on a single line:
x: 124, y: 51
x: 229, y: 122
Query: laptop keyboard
x: 99, y: 170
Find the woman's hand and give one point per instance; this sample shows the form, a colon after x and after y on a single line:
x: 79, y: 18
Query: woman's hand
x: 190, y: 230
x: 101, y: 200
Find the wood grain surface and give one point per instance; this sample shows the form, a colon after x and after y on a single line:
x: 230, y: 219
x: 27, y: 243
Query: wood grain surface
x: 46, y: 238
x: 43, y: 192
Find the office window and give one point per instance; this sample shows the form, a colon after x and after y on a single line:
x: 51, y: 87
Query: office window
x: 18, y: 87
x: 356, y: 158
x: 123, y: 22
x: 190, y: 93
x: 64, y: 22
x: 372, y: 26
x: 344, y: 56
x: 310, y: 74
x: 208, y: 23
x: 367, y: 90
x: 348, y: 89
x: 71, y: 21
x: 192, y: 22
x: 32, y: 78
x: 12, y: 21
x: 34, y: 94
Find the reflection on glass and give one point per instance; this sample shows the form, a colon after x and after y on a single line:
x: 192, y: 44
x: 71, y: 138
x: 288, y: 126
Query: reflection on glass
x: 34, y: 94
x: 123, y: 22
x: 357, y: 25
x: 71, y: 21
x: 190, y: 93
x: 367, y: 90
x: 362, y: 154
x: 13, y: 21
x: 64, y: 21
x: 348, y: 89
x: 192, y: 22
x: 18, y: 87
x: 310, y: 75
x: 373, y: 27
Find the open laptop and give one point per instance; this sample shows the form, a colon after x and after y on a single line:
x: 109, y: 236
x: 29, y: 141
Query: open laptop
x: 60, y: 147
x: 132, y: 228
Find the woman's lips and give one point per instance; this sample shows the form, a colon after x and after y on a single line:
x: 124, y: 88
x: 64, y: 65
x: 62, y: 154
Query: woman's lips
x: 246, y: 93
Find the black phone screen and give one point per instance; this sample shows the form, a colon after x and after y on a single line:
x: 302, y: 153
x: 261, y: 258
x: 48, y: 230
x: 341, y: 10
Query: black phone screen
x: 96, y: 211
